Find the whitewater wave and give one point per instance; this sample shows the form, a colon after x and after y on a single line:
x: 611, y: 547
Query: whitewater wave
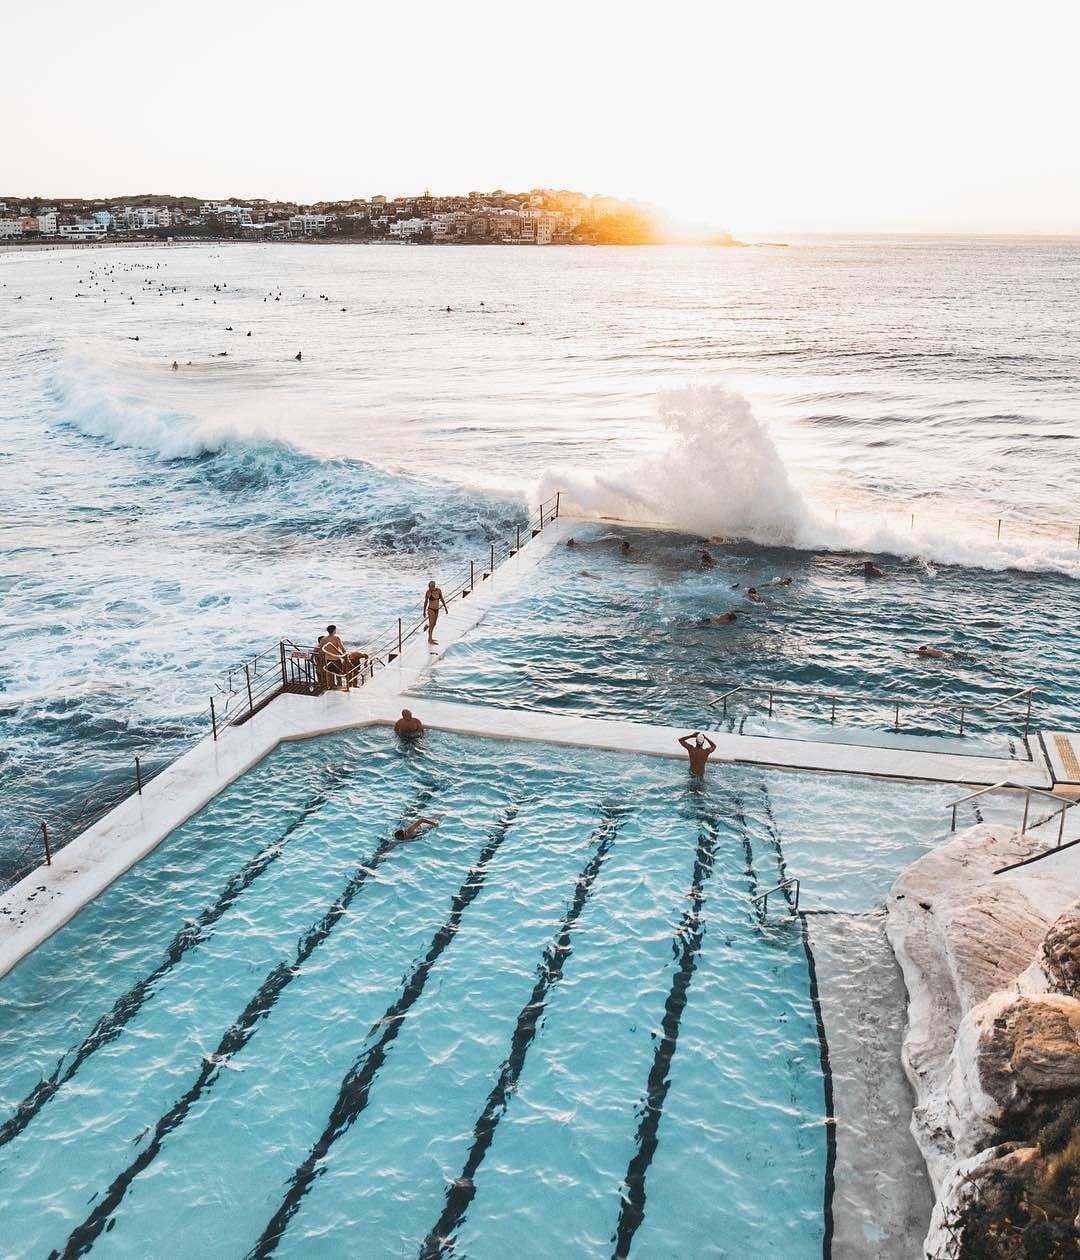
x: 211, y: 436
x: 721, y: 474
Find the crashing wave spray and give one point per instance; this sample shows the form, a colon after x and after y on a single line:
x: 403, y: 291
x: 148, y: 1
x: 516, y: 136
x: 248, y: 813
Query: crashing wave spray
x: 720, y: 474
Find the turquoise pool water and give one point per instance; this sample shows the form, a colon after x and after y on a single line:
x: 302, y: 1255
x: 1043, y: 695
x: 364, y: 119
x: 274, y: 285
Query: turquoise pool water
x: 613, y: 635
x: 554, y: 1026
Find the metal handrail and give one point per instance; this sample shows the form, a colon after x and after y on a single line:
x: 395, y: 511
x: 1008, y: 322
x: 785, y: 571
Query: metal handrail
x: 964, y: 706
x: 763, y: 898
x: 1064, y: 804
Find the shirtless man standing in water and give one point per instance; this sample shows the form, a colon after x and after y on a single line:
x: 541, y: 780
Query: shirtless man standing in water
x: 699, y: 748
x: 433, y: 600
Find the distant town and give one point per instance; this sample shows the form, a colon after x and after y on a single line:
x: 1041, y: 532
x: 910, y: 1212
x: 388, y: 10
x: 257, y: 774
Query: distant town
x: 542, y: 216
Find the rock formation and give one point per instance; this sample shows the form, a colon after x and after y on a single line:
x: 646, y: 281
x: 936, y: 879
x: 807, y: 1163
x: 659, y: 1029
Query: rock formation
x: 992, y: 966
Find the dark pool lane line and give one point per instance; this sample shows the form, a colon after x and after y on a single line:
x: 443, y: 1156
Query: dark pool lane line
x: 235, y: 1039
x: 688, y: 945
x: 826, y: 1072
x: 128, y: 1005
x: 549, y: 970
x: 356, y: 1086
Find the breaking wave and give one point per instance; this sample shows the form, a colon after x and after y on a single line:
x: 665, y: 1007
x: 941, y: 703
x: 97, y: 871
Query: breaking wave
x: 721, y: 475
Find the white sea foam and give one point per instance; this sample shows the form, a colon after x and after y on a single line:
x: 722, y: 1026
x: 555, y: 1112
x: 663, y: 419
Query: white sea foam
x: 157, y: 412
x: 721, y: 474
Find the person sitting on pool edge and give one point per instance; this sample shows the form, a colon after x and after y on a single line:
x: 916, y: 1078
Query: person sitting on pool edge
x: 407, y: 724
x: 404, y: 834
x: 699, y: 748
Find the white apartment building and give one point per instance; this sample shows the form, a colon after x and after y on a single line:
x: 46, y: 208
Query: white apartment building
x: 85, y: 229
x: 10, y: 228
x: 406, y: 228
x: 47, y: 223
x: 237, y: 216
x: 308, y: 223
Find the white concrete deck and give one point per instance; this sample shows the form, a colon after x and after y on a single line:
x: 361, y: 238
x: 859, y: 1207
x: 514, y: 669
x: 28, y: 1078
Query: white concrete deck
x: 46, y: 899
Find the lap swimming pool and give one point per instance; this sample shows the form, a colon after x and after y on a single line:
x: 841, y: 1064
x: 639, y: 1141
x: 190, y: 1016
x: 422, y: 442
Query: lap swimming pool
x: 605, y: 634
x: 557, y: 1025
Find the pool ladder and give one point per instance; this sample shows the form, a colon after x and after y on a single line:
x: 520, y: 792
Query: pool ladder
x: 761, y: 900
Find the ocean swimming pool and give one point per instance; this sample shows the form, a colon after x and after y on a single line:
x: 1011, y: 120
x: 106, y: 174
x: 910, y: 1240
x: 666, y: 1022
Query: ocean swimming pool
x: 557, y: 1023
x: 611, y: 635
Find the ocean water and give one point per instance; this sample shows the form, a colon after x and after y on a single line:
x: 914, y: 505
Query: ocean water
x: 157, y: 524
x: 496, y: 1001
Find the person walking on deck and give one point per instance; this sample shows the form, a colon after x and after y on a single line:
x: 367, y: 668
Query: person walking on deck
x: 433, y: 602
x: 699, y: 748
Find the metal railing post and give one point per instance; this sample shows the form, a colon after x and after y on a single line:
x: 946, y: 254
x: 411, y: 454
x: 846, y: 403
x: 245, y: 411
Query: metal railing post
x: 1027, y: 720
x: 770, y: 703
x: 45, y: 838
x: 251, y: 702
x: 1061, y: 827
x: 399, y: 636
x: 138, y: 777
x: 953, y: 827
x: 284, y: 671
x: 832, y: 719
x: 999, y: 529
x: 541, y: 516
x: 558, y: 498
x: 896, y: 717
x: 492, y: 557
x: 472, y: 575
x: 518, y: 527
x: 1027, y: 806
x: 213, y: 717
x: 961, y: 719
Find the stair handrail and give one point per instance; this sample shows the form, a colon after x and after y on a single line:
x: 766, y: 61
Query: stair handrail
x: 763, y: 898
x: 1063, y: 803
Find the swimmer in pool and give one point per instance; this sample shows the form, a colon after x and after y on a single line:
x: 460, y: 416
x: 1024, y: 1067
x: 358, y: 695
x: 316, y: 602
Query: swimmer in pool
x: 725, y: 619
x: 871, y: 570
x: 753, y: 596
x: 404, y: 834
x: 625, y: 547
x: 699, y: 748
x: 780, y: 582
x: 925, y: 649
x: 707, y: 561
x: 408, y: 724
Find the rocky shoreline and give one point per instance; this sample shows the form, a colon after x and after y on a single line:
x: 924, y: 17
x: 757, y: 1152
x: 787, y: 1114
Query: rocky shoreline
x: 992, y: 1049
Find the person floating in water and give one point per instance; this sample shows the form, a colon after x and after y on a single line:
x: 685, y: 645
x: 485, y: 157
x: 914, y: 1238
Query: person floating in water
x: 414, y: 829
x: 408, y: 724
x: 780, y: 582
x: 298, y: 356
x: 753, y: 596
x: 699, y: 748
x: 570, y: 542
x: 925, y: 649
x: 724, y: 619
x: 433, y: 602
x: 870, y: 569
x: 707, y: 561
x: 625, y: 547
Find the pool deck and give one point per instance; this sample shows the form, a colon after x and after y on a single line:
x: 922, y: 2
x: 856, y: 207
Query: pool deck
x: 45, y: 900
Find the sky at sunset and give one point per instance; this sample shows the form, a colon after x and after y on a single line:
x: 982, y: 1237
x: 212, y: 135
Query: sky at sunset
x: 757, y: 117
